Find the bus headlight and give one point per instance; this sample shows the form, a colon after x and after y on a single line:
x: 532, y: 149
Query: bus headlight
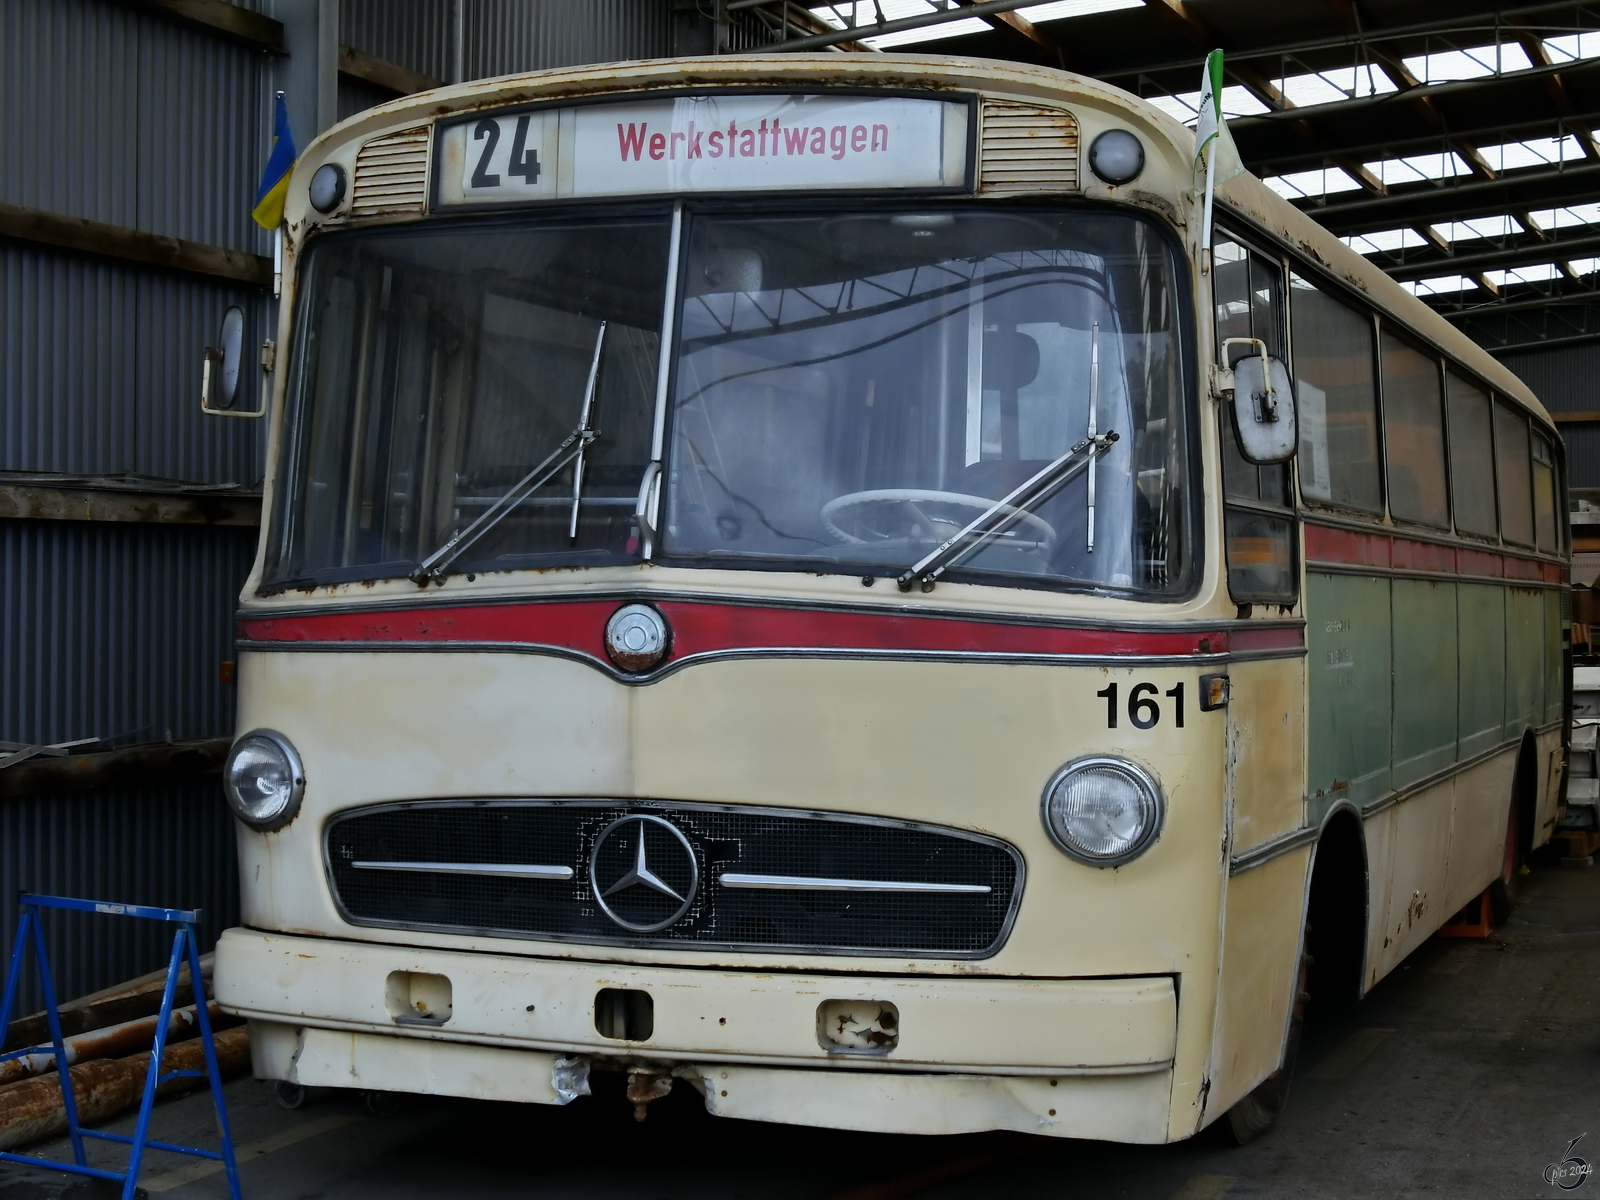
x: 263, y: 779
x: 1102, y: 811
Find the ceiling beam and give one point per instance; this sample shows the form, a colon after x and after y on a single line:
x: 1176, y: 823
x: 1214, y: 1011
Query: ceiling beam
x: 1434, y: 201
x: 1467, y: 16
x: 1481, y: 88
x: 1587, y: 246
x: 1402, y: 147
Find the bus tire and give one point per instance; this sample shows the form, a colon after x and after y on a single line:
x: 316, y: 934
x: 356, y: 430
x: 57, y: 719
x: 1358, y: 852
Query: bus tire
x: 1258, y: 1111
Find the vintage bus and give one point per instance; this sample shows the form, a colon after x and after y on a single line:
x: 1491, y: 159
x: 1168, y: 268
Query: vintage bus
x: 797, y: 578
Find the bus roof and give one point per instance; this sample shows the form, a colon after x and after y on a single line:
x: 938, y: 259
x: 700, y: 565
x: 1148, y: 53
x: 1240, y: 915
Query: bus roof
x: 1243, y: 193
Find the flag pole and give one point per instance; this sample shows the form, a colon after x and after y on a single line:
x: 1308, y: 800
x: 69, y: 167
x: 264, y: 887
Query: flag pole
x: 1205, y: 227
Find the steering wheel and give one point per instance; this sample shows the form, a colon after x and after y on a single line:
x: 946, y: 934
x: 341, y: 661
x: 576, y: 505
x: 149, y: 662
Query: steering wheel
x: 910, y: 502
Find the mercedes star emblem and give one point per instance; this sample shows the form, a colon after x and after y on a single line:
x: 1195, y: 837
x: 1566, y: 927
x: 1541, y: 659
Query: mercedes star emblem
x: 644, y: 872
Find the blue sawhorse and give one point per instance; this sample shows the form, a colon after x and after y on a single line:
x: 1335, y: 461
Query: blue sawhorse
x: 184, y: 949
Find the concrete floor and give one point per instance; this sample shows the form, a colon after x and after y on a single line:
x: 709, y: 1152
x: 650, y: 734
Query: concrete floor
x: 1464, y: 1074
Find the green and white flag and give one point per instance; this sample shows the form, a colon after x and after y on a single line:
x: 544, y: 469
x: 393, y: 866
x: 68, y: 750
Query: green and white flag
x: 1210, y: 125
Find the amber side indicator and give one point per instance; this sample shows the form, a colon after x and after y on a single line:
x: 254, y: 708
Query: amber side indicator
x: 1214, y: 692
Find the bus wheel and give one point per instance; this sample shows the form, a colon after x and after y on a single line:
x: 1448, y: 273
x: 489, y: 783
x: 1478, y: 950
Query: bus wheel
x: 1258, y: 1111
x: 1503, y: 891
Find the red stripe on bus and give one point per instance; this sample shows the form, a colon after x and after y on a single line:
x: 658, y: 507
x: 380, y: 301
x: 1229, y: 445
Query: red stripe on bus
x: 1267, y: 637
x: 701, y: 628
x: 1423, y: 556
x: 1326, y: 544
x: 1479, y: 562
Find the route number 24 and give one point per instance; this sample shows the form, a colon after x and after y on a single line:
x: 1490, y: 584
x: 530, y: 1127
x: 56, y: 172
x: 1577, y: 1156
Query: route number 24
x: 1143, y: 709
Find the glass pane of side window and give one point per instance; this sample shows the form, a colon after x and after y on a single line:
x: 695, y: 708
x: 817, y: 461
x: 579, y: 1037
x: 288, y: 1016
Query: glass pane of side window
x: 1247, y: 288
x: 1544, y: 494
x: 1337, y: 409
x: 1413, y: 434
x: 1471, y: 456
x: 1511, y: 469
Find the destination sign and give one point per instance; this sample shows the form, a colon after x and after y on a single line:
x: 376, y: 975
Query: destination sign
x: 726, y: 143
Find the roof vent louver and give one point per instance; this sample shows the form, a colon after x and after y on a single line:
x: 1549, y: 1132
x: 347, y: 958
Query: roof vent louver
x: 392, y: 174
x: 1026, y: 148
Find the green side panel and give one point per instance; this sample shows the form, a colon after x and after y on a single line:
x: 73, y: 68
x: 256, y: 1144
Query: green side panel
x: 1552, y: 656
x: 1482, y: 694
x: 1524, y: 659
x: 1424, y: 678
x: 1347, y: 636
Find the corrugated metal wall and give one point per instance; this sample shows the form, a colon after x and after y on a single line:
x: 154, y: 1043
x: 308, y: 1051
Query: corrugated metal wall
x: 413, y: 33
x: 122, y: 117
x: 110, y: 630
x: 170, y: 845
x: 1567, y: 379
x: 504, y: 37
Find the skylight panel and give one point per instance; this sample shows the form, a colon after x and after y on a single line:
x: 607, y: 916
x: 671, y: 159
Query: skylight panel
x: 1585, y: 266
x: 1175, y: 108
x: 855, y: 12
x: 1566, y: 218
x: 1443, y: 165
x: 1185, y: 106
x: 1341, y: 83
x: 1535, y: 273
x: 1479, y: 227
x: 1570, y: 46
x: 1384, y: 241
x: 1536, y: 152
x: 1474, y: 63
x: 1443, y: 285
x: 1060, y: 10
x: 1321, y: 182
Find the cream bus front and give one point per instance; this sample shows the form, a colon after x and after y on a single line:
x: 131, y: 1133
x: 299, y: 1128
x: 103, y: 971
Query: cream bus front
x: 730, y: 635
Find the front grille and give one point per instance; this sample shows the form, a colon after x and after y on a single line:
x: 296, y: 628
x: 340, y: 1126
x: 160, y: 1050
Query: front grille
x: 561, y: 836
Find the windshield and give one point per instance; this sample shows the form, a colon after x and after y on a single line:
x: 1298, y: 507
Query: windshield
x: 852, y: 390
x: 434, y: 369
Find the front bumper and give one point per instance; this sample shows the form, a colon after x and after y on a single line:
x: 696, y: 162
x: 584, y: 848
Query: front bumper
x: 1074, y: 1057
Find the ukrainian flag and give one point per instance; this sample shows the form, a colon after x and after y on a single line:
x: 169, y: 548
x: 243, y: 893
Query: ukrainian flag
x: 268, y: 211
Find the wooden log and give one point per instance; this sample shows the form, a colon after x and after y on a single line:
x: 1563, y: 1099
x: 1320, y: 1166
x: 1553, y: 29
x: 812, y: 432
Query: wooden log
x: 32, y: 1110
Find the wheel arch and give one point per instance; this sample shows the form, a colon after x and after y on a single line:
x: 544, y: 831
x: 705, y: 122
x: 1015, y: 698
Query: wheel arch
x: 1338, y: 908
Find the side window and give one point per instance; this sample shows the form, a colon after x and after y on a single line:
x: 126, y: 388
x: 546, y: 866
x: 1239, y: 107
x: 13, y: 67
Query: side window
x: 1258, y: 522
x: 1512, y: 473
x: 1544, y: 495
x: 1471, y: 457
x: 1337, y: 400
x: 1413, y: 433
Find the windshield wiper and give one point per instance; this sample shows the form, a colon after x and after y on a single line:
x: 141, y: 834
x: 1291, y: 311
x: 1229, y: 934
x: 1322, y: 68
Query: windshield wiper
x: 1011, y: 509
x: 436, y: 566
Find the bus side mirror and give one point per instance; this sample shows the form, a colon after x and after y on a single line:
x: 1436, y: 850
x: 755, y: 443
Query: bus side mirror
x: 223, y: 366
x: 1263, y: 404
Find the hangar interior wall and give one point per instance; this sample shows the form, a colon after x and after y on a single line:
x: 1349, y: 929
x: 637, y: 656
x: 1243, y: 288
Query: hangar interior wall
x: 145, y: 121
